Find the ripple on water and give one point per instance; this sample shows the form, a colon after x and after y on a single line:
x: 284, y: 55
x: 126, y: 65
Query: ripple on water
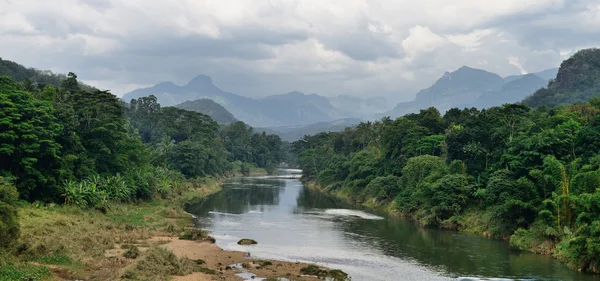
x: 489, y: 279
x: 223, y: 214
x: 351, y: 213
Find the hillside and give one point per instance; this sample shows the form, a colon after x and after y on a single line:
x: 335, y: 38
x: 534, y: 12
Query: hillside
x: 470, y: 87
x: 38, y: 78
x: 294, y: 108
x: 210, y: 108
x: 577, y: 81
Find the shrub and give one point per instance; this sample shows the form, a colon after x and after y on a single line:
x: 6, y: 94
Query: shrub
x: 382, y: 189
x: 132, y: 253
x: 9, y: 222
x: 159, y: 264
x: 196, y: 235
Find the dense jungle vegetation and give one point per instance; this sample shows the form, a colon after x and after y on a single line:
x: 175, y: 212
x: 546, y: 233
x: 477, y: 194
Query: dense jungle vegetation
x: 67, y: 143
x: 531, y: 175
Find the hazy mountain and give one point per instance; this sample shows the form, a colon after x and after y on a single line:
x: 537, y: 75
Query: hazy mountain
x: 210, y: 108
x: 364, y: 108
x: 461, y: 87
x: 470, y: 87
x: 278, y: 110
x: 545, y: 75
x: 577, y: 81
x: 294, y: 133
x: 511, y: 92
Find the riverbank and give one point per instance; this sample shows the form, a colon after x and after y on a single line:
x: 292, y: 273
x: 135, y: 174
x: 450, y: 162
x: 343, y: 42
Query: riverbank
x: 471, y: 221
x: 130, y: 242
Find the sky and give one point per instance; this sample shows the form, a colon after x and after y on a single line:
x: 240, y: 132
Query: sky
x: 365, y: 48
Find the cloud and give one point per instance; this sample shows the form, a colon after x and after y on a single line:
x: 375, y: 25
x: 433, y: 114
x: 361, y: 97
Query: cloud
x: 261, y: 47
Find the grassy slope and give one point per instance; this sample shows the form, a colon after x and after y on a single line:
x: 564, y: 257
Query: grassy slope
x: 66, y: 242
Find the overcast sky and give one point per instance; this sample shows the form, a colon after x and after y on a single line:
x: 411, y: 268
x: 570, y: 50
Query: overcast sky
x: 261, y: 47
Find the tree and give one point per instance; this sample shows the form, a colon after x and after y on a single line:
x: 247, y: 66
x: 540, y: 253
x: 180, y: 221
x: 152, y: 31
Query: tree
x: 28, y: 151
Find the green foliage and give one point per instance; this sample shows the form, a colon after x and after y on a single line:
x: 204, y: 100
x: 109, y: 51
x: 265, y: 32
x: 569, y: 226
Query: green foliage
x: 210, y: 108
x: 535, y: 172
x: 9, y: 223
x: 28, y: 150
x: 382, y: 189
x: 11, y: 272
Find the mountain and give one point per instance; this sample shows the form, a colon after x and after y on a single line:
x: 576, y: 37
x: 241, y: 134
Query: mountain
x: 294, y: 133
x: 511, y: 92
x: 545, y: 75
x: 294, y: 108
x: 364, y: 108
x: 577, y: 80
x: 470, y: 87
x: 459, y: 88
x: 210, y: 108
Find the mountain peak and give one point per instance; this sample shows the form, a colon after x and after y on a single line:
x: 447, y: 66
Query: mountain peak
x: 295, y: 93
x: 200, y: 80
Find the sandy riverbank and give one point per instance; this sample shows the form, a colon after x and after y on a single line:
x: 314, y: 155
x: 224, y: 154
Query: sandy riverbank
x: 70, y: 243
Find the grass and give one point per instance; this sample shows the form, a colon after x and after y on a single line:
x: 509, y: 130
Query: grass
x: 19, y: 271
x: 55, y: 259
x: 159, y: 264
x: 76, y: 240
x: 205, y: 270
x: 195, y: 234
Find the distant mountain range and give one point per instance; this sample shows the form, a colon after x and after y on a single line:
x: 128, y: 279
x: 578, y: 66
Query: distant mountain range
x: 289, y: 109
x: 358, y: 107
x: 309, y: 113
x: 294, y: 133
x: 470, y: 87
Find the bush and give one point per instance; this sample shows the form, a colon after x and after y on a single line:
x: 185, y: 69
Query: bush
x: 9, y: 222
x: 132, y: 253
x: 159, y: 264
x: 382, y: 189
x: 196, y: 235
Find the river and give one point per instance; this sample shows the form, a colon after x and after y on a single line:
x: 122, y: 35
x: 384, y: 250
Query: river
x: 293, y: 223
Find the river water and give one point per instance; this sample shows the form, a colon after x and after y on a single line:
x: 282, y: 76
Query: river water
x: 293, y: 223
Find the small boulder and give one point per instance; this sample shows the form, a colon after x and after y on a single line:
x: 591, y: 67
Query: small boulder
x: 246, y: 241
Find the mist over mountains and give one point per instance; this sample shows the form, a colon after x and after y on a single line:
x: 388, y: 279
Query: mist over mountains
x: 292, y: 113
x: 471, y: 87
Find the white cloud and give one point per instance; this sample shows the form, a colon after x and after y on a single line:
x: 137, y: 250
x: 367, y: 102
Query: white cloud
x: 515, y: 61
x: 259, y: 47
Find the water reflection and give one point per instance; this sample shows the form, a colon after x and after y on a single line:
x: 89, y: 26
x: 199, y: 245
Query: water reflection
x: 241, y: 195
x: 294, y: 223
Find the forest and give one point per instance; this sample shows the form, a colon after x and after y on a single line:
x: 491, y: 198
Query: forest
x: 64, y: 142
x: 510, y: 171
x: 530, y: 175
